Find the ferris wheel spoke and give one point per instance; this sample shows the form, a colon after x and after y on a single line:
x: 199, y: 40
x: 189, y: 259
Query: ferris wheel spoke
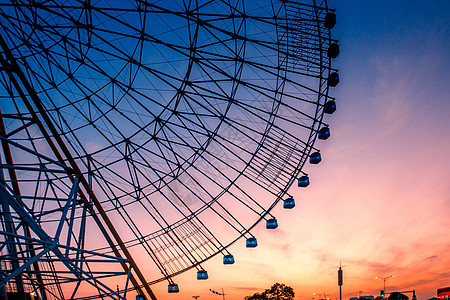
x: 290, y: 150
x: 235, y: 224
x: 178, y: 241
x: 143, y: 241
x: 182, y: 183
x: 149, y: 249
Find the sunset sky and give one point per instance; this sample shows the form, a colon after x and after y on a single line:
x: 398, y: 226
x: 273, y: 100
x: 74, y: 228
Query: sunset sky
x: 379, y: 201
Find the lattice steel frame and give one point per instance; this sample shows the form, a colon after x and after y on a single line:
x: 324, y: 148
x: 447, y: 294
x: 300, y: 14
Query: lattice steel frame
x: 71, y: 181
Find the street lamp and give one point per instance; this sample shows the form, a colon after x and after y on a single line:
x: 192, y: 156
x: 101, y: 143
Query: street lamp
x: 384, y: 281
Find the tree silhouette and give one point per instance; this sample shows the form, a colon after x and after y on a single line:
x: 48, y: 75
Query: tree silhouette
x: 278, y: 291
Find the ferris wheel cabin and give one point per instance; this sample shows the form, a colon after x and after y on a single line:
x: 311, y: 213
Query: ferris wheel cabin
x: 333, y: 51
x: 330, y: 20
x: 324, y: 133
x: 329, y: 107
x: 173, y: 288
x: 333, y: 79
x: 303, y: 181
x: 289, y: 203
x: 315, y: 158
x: 271, y: 223
x: 251, y: 242
x: 228, y: 259
x: 202, y: 275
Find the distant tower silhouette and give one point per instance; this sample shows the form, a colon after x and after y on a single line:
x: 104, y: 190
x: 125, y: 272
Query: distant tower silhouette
x: 340, y: 279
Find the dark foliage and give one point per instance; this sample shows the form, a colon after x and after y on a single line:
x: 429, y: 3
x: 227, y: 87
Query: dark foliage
x: 278, y: 291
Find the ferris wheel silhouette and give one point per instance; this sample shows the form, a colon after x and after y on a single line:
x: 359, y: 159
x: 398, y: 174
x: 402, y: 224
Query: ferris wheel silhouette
x: 152, y: 131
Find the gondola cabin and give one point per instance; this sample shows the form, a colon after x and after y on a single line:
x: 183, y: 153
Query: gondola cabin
x: 289, y: 203
x: 303, y: 181
x: 251, y: 242
x: 333, y: 51
x: 323, y: 133
x: 228, y: 259
x: 173, y: 288
x: 140, y: 297
x: 315, y: 158
x: 202, y: 275
x: 271, y: 223
x: 330, y: 20
x: 329, y: 107
x: 333, y: 79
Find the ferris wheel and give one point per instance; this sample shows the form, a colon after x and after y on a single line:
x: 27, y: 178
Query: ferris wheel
x: 152, y: 131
